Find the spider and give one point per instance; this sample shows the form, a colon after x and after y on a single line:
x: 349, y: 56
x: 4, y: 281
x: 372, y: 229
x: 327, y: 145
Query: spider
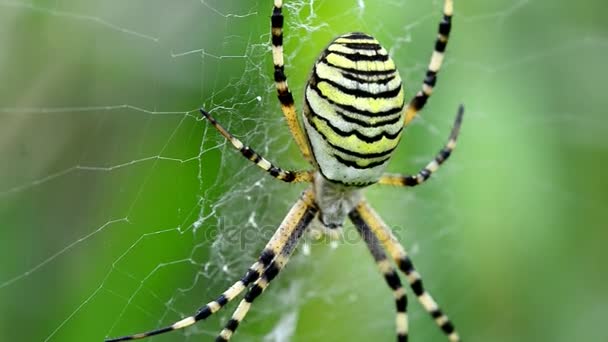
x: 353, y: 116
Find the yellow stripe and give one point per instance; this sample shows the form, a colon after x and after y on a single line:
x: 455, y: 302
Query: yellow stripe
x: 350, y: 51
x: 353, y: 143
x: 366, y: 104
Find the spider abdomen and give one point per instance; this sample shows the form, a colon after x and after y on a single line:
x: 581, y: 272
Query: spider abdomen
x: 353, y: 110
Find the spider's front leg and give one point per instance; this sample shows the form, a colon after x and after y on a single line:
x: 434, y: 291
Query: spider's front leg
x: 424, y: 174
x: 276, y: 172
x: 300, y: 215
x: 445, y: 25
x: 280, y: 81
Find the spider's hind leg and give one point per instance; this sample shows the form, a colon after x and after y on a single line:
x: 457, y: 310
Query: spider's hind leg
x: 390, y: 275
x: 366, y: 215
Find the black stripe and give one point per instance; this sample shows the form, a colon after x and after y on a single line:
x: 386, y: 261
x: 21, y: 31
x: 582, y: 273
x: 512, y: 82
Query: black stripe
x: 266, y: 257
x: 419, y: 101
x: 253, y: 293
x: 355, y: 57
x: 357, y: 166
x: 440, y: 45
x: 289, y: 176
x: 417, y: 287
x: 392, y: 279
x: 358, y: 71
x: 401, y: 303
x: 406, y: 265
x: 436, y: 313
x: 445, y: 25
x: 410, y: 181
x: 271, y: 271
x: 357, y: 35
x: 277, y: 40
x: 387, y: 94
x: 430, y: 78
x: 247, y: 152
x: 203, y: 313
x: 424, y: 174
x: 447, y: 327
x: 356, y: 133
x: 364, y: 123
x: 277, y: 18
x: 349, y: 108
x: 443, y: 155
x: 279, y: 73
x: 250, y: 277
x: 222, y: 300
x: 274, y: 172
x: 401, y: 338
x: 353, y: 77
x: 285, y: 98
x: 361, y: 46
x: 232, y: 324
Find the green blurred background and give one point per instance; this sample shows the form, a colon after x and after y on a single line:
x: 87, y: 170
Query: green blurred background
x: 121, y: 211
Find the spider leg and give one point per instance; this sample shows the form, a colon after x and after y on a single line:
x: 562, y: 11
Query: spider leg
x: 299, y: 215
x: 364, y: 213
x: 390, y: 275
x: 280, y: 80
x: 418, y: 102
x: 424, y: 174
x: 271, y: 271
x: 261, y: 162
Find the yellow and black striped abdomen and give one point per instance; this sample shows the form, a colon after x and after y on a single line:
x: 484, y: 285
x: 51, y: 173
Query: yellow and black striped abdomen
x: 353, y: 110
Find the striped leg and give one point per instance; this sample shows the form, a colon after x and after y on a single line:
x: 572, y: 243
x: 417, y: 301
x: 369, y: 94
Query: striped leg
x: 269, y: 274
x: 390, y: 275
x: 430, y: 168
x: 261, y: 162
x: 397, y: 252
x: 418, y: 102
x: 280, y: 80
x: 298, y: 214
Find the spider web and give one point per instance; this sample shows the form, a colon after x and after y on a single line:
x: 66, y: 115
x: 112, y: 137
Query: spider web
x: 123, y: 211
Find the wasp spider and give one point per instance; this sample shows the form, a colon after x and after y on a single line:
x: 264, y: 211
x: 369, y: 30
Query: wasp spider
x: 354, y: 113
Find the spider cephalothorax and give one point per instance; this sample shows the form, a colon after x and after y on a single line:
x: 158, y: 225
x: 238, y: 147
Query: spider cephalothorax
x: 353, y: 118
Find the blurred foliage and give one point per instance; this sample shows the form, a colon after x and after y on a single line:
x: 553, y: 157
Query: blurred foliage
x: 106, y: 170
